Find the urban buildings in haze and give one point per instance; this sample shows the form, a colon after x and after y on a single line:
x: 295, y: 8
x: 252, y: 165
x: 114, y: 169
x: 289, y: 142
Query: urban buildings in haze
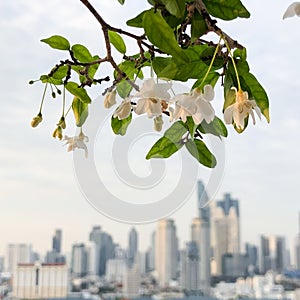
x: 16, y: 254
x: 166, y: 254
x: 225, y: 231
x: 132, y: 246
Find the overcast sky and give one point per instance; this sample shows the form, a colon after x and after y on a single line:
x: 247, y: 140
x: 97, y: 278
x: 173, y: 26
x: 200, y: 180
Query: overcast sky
x: 38, y: 189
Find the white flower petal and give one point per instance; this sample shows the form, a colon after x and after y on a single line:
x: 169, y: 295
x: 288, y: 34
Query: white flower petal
x: 292, y: 10
x: 209, y: 92
x: 228, y: 114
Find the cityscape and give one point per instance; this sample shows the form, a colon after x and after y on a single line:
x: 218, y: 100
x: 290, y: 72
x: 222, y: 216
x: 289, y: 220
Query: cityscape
x: 213, y: 264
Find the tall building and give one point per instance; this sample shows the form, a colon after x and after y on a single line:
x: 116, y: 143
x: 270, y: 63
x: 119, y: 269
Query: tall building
x: 225, y: 230
x: 151, y: 253
x: 166, y: 253
x: 40, y: 281
x: 105, y: 247
x: 18, y: 253
x: 92, y: 253
x: 297, y: 246
x: 190, y: 269
x: 55, y: 256
x: 1, y: 264
x: 79, y: 260
x: 56, y: 241
x: 273, y: 254
x: 132, y: 280
x: 132, y: 246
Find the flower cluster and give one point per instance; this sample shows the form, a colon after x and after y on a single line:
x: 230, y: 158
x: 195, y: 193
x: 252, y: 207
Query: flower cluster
x: 154, y: 99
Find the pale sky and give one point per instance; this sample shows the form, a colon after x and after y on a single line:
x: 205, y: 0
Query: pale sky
x: 39, y: 192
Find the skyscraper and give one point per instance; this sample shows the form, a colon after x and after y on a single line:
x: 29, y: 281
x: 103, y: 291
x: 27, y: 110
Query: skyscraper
x: 166, y: 252
x: 225, y: 230
x: 297, y: 246
x: 132, y: 246
x: 105, y: 247
x: 55, y: 255
x: 16, y: 254
x: 273, y: 254
x: 56, y: 241
x: 200, y: 233
x: 189, y: 269
x: 79, y: 260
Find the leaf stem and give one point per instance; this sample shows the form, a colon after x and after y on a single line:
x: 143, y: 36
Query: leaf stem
x: 211, y: 63
x: 234, y: 65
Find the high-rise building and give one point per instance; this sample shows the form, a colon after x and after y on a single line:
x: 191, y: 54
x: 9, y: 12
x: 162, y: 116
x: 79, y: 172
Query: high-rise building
x: 115, y: 270
x: 17, y: 253
x: 190, y: 269
x: 56, y: 240
x: 40, y: 281
x: 79, y: 261
x: 55, y: 256
x: 151, y: 252
x: 92, y: 252
x: 166, y: 254
x: 1, y: 264
x: 105, y: 247
x: 297, y: 246
x: 225, y: 230
x: 132, y: 280
x: 273, y: 254
x: 132, y: 246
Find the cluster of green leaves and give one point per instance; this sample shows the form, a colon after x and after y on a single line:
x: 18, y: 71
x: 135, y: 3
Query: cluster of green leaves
x: 172, y: 31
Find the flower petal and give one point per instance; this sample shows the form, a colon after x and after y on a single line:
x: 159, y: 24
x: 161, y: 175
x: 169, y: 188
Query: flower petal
x: 228, y: 114
x: 209, y: 92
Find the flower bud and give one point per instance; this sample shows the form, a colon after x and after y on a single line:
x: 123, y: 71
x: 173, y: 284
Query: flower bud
x: 110, y: 99
x: 62, y: 123
x: 158, y: 123
x: 37, y: 120
x: 57, y: 133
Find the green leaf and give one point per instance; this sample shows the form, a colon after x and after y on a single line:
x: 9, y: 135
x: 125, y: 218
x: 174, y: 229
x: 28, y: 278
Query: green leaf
x: 226, y: 10
x: 80, y: 111
x: 163, y: 148
x: 183, y: 71
x: 198, y: 26
x: 121, y: 1
x: 191, y: 126
x: 161, y: 35
x: 240, y: 53
x: 160, y: 63
x: 46, y: 78
x: 61, y: 72
x: 170, y: 143
x: 199, y: 150
x: 81, y: 93
x: 81, y: 53
x: 257, y: 92
x: 176, y: 131
x: 57, y: 42
x: 175, y: 7
x: 93, y: 68
x: 117, y: 41
x: 120, y: 126
x: 137, y: 21
x: 216, y: 127
x: 211, y: 79
x: 124, y: 88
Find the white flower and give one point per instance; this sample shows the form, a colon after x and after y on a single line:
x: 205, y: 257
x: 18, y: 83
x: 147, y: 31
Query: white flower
x: 196, y: 104
x: 151, y: 94
x: 124, y: 109
x: 292, y: 10
x: 110, y: 99
x: 77, y: 142
x: 240, y: 110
